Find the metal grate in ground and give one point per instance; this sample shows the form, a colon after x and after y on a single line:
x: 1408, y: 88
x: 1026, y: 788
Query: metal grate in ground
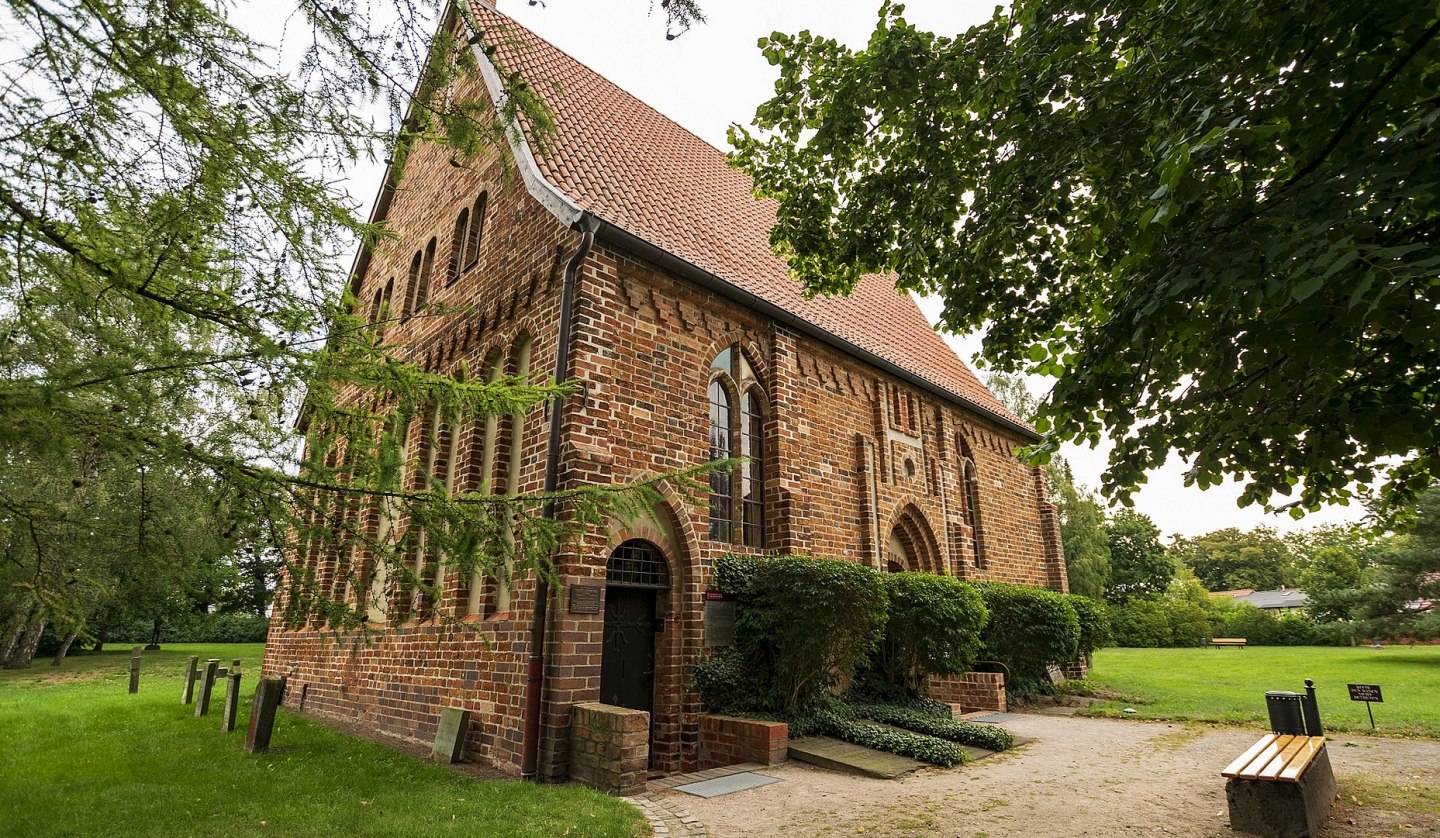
x: 727, y: 785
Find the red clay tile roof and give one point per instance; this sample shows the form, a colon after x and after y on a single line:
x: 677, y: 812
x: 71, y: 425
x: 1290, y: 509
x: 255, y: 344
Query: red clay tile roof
x: 633, y: 167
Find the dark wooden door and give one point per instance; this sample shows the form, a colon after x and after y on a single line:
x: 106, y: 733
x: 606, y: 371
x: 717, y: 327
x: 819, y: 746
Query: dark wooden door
x: 627, y: 663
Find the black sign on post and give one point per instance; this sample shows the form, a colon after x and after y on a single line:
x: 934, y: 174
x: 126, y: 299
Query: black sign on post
x: 1366, y: 693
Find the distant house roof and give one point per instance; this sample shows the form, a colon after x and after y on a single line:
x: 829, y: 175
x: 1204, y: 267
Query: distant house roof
x: 634, y: 168
x: 1283, y: 598
x: 1235, y: 594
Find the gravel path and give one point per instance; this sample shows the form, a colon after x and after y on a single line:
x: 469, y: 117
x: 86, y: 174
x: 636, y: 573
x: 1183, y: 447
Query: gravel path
x: 1080, y: 776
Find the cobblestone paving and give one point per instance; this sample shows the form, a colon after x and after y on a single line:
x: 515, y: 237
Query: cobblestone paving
x: 668, y: 819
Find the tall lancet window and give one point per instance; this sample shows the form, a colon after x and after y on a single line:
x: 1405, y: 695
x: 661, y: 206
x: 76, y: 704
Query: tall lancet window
x: 737, y: 495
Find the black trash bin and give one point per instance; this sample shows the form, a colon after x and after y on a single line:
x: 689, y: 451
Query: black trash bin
x: 1287, y: 715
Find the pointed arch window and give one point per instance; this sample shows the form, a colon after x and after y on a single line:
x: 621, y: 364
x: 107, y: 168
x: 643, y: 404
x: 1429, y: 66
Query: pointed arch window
x: 737, y: 496
x: 412, y: 284
x: 457, y: 246
x: 477, y: 229
x: 970, y: 484
x: 722, y: 490
x: 483, y: 591
x: 427, y: 267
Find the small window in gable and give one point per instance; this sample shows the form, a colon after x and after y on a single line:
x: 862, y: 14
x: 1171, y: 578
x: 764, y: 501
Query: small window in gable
x: 457, y: 246
x: 412, y: 285
x: 422, y: 287
x: 477, y: 229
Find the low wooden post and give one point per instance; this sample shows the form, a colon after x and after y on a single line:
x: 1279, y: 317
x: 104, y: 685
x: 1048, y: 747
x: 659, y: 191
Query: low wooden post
x: 189, y: 691
x: 202, y: 702
x: 262, y: 715
x: 232, y: 701
x: 135, y: 670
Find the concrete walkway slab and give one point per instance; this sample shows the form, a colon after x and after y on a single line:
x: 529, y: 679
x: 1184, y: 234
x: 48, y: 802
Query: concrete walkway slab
x: 851, y: 759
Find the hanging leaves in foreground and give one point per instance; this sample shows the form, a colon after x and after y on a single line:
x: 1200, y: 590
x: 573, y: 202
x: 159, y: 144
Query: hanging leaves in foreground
x: 1214, y: 224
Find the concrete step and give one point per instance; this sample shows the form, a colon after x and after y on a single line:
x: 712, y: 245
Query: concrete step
x: 851, y: 759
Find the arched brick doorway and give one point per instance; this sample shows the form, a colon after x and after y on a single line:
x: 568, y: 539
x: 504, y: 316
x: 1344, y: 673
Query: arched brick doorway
x: 636, y: 575
x: 912, y: 546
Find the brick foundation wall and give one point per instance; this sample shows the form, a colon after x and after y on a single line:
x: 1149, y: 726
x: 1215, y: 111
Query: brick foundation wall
x: 609, y: 747
x: 730, y: 740
x: 970, y: 692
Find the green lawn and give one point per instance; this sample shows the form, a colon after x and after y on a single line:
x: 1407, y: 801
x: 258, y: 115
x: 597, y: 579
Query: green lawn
x: 80, y: 756
x: 1228, y: 685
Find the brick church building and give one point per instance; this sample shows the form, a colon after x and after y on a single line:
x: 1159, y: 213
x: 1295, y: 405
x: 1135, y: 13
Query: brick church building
x: 867, y: 438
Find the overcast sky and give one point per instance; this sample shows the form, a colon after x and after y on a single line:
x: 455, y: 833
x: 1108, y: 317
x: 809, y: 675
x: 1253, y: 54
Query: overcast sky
x: 714, y: 75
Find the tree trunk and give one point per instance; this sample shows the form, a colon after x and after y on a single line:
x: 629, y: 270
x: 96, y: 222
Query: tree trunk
x: 65, y: 647
x: 15, y: 629
x: 154, y: 638
x: 24, y: 652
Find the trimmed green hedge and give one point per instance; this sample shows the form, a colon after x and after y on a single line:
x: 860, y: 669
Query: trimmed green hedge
x: 990, y: 737
x: 933, y: 628
x: 1029, y: 630
x: 1094, y: 624
x: 802, y: 626
x: 929, y: 749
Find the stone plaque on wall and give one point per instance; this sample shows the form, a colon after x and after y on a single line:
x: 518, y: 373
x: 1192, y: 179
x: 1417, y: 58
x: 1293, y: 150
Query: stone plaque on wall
x: 584, y: 599
x: 719, y: 619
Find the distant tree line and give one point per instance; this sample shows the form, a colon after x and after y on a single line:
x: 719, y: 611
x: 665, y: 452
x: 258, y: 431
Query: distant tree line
x: 1379, y: 580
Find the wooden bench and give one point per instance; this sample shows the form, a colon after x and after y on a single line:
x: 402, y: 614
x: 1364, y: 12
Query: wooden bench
x: 1238, y: 642
x: 1282, y: 786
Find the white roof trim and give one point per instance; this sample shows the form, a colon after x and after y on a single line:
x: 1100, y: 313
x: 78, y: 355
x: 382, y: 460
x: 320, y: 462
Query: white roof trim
x: 558, y: 203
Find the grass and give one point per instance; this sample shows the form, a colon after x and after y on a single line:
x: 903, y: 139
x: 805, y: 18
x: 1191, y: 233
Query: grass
x: 1229, y: 685
x: 80, y: 756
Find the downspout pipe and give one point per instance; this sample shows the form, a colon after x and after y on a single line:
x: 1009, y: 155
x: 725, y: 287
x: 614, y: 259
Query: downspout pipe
x: 535, y: 666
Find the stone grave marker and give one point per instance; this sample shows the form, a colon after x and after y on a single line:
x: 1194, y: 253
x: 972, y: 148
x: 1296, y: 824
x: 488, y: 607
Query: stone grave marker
x: 450, y: 735
x: 262, y: 715
x: 232, y: 701
x: 189, y: 692
x: 202, y: 702
x: 135, y: 670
